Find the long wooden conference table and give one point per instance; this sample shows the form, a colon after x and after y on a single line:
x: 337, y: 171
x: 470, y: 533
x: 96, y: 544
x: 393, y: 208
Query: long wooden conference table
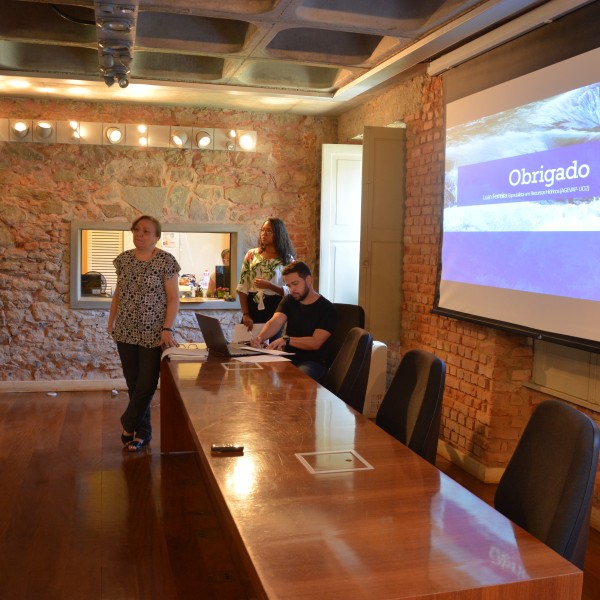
x: 323, y: 504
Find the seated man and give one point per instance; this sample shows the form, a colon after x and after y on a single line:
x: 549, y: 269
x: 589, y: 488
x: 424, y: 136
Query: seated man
x: 310, y: 319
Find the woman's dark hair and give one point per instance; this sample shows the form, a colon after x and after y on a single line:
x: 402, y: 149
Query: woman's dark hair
x: 281, y: 240
x: 156, y: 222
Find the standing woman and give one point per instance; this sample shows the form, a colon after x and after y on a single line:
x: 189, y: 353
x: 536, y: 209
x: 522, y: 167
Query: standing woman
x: 141, y: 319
x: 261, y: 285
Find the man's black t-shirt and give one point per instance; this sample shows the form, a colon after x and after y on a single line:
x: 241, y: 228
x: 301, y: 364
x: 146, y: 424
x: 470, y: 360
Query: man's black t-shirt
x: 303, y: 319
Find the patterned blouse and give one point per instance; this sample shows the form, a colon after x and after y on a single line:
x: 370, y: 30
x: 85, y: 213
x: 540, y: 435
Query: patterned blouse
x: 142, y: 303
x: 254, y: 266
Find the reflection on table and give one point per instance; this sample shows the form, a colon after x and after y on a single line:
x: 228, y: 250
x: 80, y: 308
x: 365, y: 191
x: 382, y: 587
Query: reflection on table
x: 399, y: 530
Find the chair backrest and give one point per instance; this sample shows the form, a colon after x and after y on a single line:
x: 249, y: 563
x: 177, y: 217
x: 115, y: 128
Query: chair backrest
x: 411, y: 409
x: 348, y: 375
x: 548, y: 484
x: 348, y: 316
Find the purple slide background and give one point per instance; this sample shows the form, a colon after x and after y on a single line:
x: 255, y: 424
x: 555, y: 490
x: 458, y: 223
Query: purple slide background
x: 488, y: 182
x: 557, y: 263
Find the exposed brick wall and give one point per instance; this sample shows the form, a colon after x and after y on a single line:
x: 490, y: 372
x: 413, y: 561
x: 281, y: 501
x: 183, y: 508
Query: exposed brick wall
x: 486, y: 405
x: 45, y: 187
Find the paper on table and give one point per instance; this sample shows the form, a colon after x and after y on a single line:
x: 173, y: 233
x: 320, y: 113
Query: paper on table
x: 185, y: 351
x: 241, y: 333
x: 258, y: 358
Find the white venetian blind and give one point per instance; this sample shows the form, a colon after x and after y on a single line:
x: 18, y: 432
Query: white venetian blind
x: 103, y: 248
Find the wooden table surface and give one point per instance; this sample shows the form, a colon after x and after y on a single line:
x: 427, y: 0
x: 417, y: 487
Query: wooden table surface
x: 400, y: 530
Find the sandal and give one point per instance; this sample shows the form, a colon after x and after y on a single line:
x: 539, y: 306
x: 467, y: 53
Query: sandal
x: 136, y: 445
x: 127, y: 438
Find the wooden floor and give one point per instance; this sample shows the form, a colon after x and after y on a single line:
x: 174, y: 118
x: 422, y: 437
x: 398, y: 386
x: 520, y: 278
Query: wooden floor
x: 81, y: 519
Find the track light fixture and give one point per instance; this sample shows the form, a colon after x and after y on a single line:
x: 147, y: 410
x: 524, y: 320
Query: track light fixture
x: 114, y: 135
x: 75, y: 135
x: 44, y: 130
x: 203, y: 139
x: 181, y: 137
x: 143, y: 135
x: 20, y: 129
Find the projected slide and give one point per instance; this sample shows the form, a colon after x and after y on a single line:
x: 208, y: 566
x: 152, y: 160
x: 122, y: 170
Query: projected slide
x: 522, y: 197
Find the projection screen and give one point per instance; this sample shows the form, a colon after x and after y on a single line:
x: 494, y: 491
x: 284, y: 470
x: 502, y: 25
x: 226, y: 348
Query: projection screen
x: 521, y: 218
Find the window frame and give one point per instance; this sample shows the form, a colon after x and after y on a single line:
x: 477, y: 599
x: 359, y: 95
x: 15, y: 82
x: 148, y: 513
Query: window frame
x: 77, y: 300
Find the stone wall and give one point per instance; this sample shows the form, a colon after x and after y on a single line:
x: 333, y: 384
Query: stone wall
x: 45, y: 187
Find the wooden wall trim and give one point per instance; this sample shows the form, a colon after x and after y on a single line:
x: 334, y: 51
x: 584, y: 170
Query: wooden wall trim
x: 64, y: 385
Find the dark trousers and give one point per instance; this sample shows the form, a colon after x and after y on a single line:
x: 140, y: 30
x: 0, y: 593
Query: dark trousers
x: 141, y: 368
x: 312, y: 368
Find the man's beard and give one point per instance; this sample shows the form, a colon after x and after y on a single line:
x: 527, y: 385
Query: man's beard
x: 302, y: 295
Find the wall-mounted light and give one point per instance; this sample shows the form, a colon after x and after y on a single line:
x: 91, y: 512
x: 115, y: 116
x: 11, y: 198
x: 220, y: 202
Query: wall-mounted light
x: 181, y: 137
x: 143, y: 131
x: 44, y: 131
x: 113, y: 134
x: 230, y: 143
x: 247, y: 140
x: 66, y: 132
x: 75, y: 135
x: 137, y: 135
x: 20, y: 129
x: 203, y: 139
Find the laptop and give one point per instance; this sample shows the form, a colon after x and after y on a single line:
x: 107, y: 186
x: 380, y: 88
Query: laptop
x: 215, y: 341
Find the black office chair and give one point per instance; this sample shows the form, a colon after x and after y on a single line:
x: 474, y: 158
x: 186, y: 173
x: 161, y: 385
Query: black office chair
x: 548, y: 484
x: 411, y: 409
x: 348, y: 375
x: 348, y: 316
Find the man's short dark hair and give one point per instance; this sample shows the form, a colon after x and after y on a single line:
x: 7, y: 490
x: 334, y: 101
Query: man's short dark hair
x: 299, y: 267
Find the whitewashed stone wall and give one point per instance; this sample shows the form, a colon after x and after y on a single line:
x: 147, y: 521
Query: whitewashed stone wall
x: 44, y: 187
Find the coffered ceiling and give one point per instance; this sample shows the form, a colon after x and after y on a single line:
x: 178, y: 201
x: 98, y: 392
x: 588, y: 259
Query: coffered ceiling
x: 298, y: 56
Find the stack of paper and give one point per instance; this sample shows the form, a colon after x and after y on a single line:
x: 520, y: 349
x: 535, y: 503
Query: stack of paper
x: 185, y: 352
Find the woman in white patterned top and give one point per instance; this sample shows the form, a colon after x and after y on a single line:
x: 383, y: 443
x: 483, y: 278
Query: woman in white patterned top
x: 261, y: 285
x: 141, y: 319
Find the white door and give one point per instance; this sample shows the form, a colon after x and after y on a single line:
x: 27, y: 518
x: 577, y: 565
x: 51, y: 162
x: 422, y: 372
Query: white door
x: 341, y: 175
